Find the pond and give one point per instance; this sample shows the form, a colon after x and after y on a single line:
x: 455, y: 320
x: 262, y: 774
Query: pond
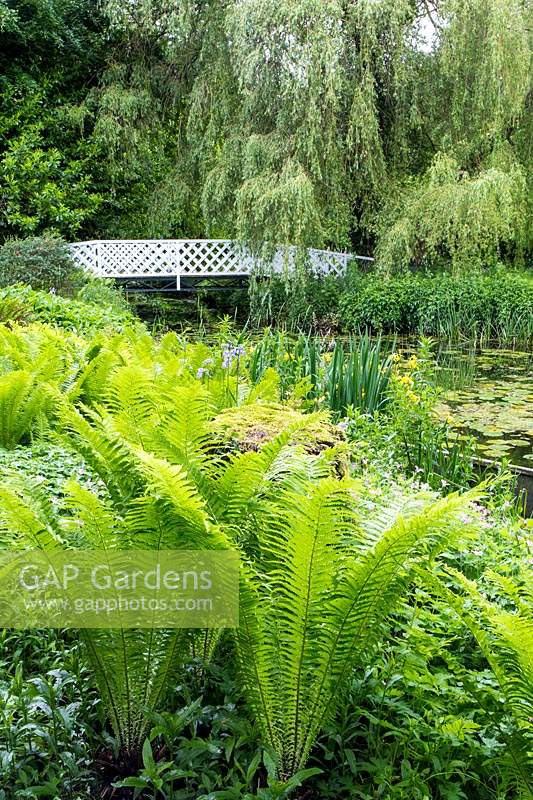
x: 489, y: 394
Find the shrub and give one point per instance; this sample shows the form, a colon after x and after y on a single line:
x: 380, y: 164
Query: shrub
x: 43, y: 263
x: 21, y: 303
x: 493, y: 305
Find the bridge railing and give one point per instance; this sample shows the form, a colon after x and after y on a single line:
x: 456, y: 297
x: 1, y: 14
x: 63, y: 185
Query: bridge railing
x: 154, y: 258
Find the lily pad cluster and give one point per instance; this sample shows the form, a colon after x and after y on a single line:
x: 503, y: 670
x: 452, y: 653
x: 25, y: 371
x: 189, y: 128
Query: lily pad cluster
x: 497, y: 407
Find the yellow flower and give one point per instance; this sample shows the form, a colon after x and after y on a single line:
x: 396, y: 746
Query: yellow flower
x: 414, y: 398
x: 405, y: 380
x: 413, y: 361
x: 327, y: 357
x: 396, y: 357
x: 286, y: 357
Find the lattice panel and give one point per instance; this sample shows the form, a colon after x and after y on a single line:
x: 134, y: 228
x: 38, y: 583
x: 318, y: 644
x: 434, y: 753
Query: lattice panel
x: 137, y: 259
x: 85, y: 255
x: 213, y: 257
x: 324, y: 262
x: 192, y: 257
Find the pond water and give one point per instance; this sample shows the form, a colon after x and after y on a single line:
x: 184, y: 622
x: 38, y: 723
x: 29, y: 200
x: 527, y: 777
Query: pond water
x: 489, y: 394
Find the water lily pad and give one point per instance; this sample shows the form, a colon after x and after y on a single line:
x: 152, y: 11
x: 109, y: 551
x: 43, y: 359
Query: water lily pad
x: 493, y: 401
x: 495, y: 449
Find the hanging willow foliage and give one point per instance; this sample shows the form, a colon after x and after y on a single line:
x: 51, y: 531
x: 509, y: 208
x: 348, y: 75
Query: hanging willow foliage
x: 297, y: 121
x: 472, y: 220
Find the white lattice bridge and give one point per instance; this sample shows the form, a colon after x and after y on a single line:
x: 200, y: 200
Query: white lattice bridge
x: 174, y: 259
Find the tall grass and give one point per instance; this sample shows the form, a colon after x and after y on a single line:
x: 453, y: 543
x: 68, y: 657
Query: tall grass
x: 509, y: 326
x: 446, y: 464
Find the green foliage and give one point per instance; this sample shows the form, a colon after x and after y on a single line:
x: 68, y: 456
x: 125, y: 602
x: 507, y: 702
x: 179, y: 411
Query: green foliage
x: 341, y: 375
x: 48, y: 717
x: 449, y: 216
x: 49, y: 466
x: 506, y: 638
x: 426, y: 445
x: 49, y: 169
x: 498, y: 305
x: 13, y: 309
x: 358, y: 378
x: 23, y: 400
x: 132, y: 668
x: 103, y: 309
x: 319, y: 614
x: 302, y: 122
x: 495, y: 70
x: 34, y: 369
x: 45, y: 192
x: 40, y: 263
x: 341, y: 662
x: 250, y: 426
x: 304, y: 303
x: 160, y: 485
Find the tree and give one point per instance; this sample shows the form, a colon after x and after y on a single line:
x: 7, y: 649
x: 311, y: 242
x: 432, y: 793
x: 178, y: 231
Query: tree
x: 304, y: 122
x: 311, y: 122
x: 50, y: 52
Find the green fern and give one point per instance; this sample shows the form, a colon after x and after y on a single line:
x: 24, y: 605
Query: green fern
x: 315, y: 599
x: 317, y: 586
x: 23, y: 401
x: 133, y: 668
x: 506, y: 639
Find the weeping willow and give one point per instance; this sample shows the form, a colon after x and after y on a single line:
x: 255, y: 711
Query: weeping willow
x: 448, y: 214
x: 328, y: 123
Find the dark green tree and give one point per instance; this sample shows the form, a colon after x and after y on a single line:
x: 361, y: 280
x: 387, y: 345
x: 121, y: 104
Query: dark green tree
x: 50, y: 53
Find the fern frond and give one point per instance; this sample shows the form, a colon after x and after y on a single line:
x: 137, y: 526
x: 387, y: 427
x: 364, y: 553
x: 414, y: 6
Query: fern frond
x: 22, y: 399
x: 130, y: 400
x: 182, y: 436
x: 259, y: 666
x: 88, y: 384
x: 26, y: 518
x: 506, y: 640
x: 243, y: 478
x: 505, y: 637
x: 133, y: 668
x: 94, y: 521
x: 316, y: 603
x: 108, y: 455
x: 169, y: 483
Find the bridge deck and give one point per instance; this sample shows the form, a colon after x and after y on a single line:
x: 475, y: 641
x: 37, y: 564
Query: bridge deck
x: 174, y: 259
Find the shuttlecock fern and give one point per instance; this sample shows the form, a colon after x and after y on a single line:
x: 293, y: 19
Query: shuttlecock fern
x: 24, y: 399
x: 133, y: 668
x: 314, y: 601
